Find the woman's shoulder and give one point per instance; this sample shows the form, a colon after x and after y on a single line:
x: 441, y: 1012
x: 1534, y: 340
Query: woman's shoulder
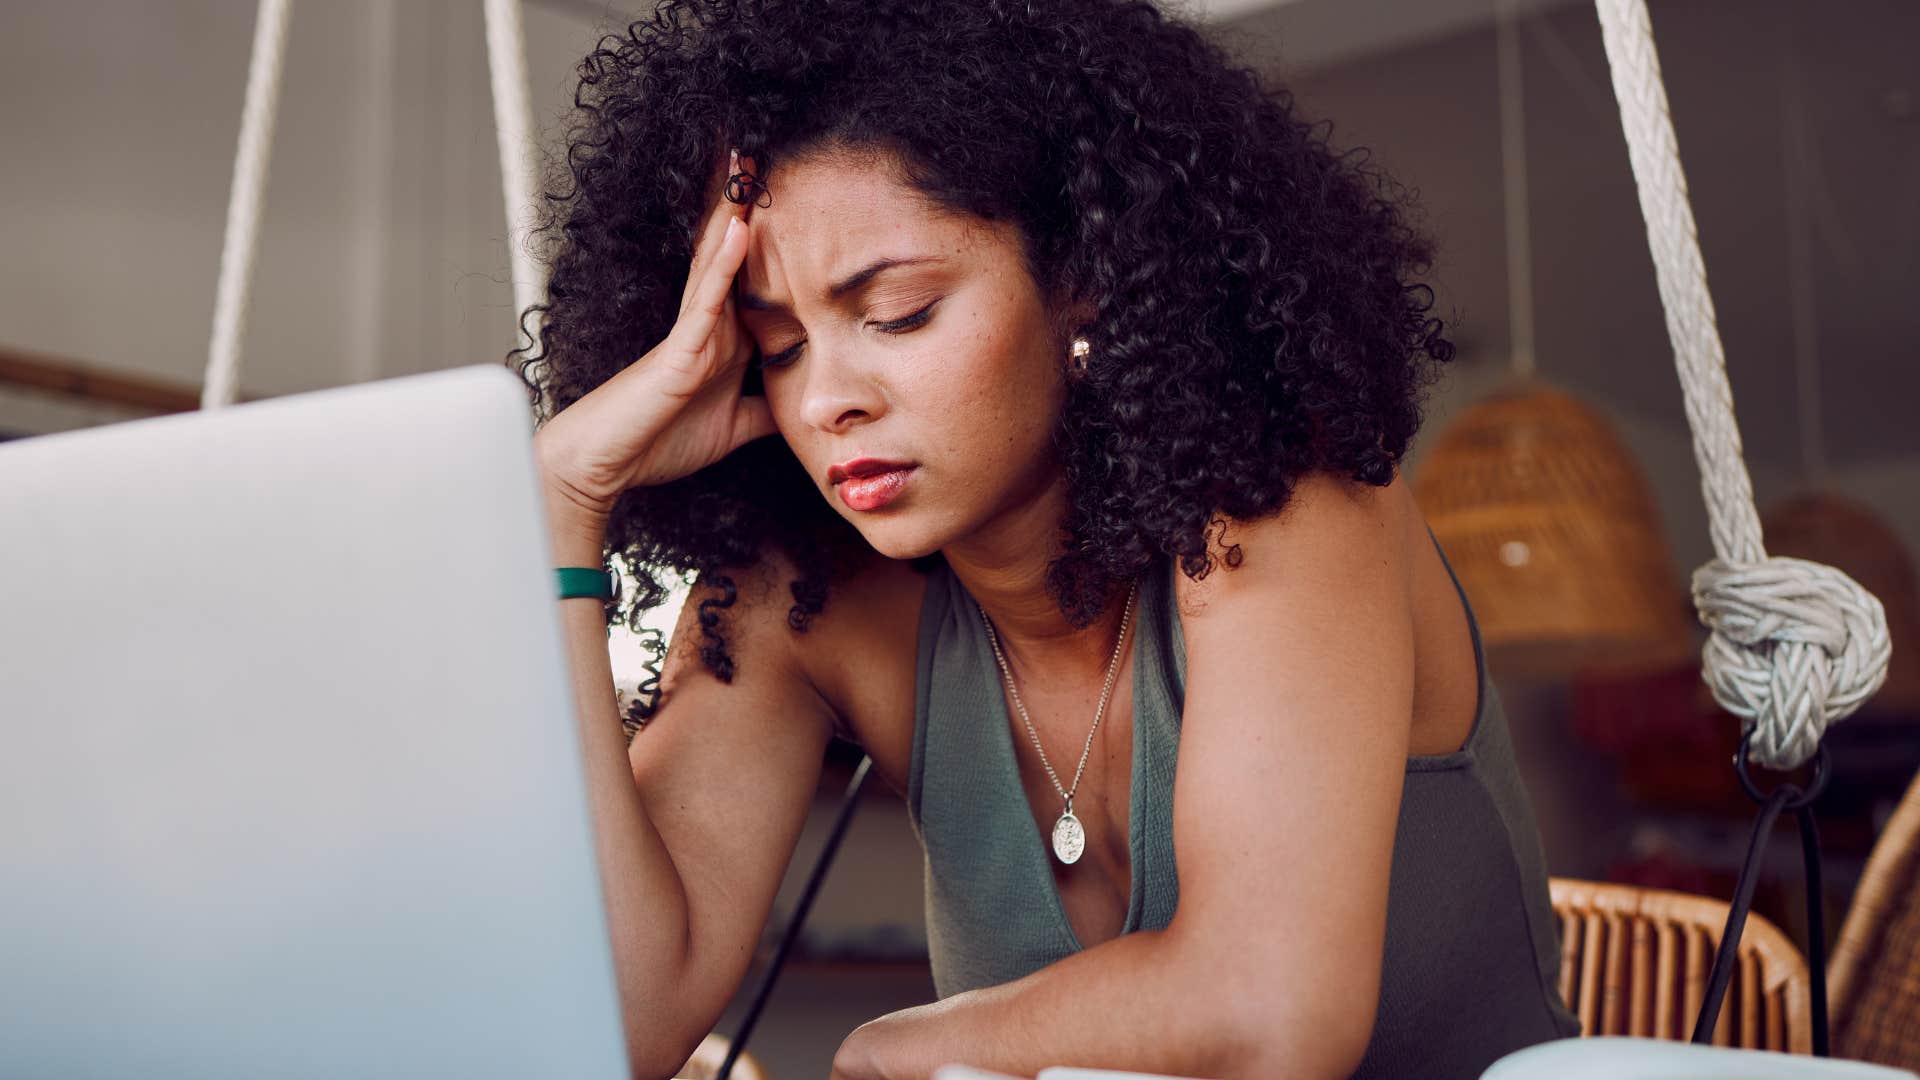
x: 1353, y: 560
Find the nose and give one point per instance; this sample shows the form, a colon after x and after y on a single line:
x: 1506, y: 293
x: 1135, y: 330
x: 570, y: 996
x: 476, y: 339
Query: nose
x: 839, y: 391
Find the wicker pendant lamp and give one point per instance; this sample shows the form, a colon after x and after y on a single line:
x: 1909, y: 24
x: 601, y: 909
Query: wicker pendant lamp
x: 1552, y: 528
x: 1543, y: 511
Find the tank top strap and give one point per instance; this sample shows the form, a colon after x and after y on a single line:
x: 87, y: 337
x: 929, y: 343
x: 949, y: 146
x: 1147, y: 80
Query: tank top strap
x: 1487, y: 698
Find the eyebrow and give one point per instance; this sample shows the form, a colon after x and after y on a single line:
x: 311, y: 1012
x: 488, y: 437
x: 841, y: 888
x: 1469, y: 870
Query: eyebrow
x: 839, y: 288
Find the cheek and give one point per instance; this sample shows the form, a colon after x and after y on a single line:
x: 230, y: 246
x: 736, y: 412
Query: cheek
x: 784, y: 404
x: 986, y: 390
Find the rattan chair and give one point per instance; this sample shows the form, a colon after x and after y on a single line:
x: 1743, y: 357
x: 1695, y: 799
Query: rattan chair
x: 1874, y: 980
x: 1635, y: 961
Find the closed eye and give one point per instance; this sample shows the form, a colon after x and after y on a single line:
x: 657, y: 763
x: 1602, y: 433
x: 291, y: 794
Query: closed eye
x: 901, y: 326
x: 896, y: 326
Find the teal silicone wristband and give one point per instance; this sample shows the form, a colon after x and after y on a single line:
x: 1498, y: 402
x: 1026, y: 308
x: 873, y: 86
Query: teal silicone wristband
x: 584, y: 581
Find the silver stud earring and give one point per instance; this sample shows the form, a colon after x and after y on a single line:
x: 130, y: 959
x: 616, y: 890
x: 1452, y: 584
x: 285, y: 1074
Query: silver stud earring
x: 1080, y: 351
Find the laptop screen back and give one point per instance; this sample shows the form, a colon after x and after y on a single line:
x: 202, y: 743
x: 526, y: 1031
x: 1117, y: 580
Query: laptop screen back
x: 290, y: 782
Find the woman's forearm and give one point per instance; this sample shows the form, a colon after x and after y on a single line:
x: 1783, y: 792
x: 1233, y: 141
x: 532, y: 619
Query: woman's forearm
x: 645, y: 901
x: 1134, y: 1002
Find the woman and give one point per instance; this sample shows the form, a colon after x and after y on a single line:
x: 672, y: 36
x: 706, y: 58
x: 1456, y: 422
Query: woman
x: 1092, y: 367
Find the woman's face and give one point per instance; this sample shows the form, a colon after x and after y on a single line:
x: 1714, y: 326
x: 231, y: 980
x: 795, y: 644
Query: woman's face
x: 890, y: 329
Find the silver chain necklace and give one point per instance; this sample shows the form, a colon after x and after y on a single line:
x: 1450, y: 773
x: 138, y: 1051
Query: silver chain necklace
x: 1069, y: 836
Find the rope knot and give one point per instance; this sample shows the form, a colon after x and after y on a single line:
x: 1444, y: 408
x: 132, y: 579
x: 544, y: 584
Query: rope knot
x: 1795, y: 646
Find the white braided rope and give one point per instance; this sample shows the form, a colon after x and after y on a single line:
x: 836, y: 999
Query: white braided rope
x: 1795, y: 645
x: 513, y: 128
x: 513, y: 113
x: 221, y: 385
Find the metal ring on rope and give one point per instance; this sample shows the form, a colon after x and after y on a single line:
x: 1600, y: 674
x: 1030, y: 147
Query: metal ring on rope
x: 1797, y: 795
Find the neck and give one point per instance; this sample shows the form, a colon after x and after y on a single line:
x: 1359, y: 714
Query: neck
x: 1006, y: 572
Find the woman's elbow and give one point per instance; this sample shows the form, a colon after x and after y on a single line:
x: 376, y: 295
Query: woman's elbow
x: 1313, y: 1029
x: 1331, y: 1051
x: 1273, y: 1009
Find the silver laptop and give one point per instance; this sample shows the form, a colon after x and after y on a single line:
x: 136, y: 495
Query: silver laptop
x: 289, y: 778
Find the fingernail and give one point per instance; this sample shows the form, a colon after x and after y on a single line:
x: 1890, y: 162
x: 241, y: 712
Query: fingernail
x: 733, y: 226
x: 733, y: 160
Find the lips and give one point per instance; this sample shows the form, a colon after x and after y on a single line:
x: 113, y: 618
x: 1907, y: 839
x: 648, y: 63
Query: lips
x: 859, y: 467
x: 866, y: 484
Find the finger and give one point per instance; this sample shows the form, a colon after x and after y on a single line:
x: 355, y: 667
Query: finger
x: 707, y: 301
x: 714, y: 225
x: 713, y: 221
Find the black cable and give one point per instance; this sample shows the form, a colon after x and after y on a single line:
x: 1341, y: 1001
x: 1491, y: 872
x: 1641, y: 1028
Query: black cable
x: 1723, y: 961
x: 1800, y: 801
x: 1816, y: 926
x: 799, y: 917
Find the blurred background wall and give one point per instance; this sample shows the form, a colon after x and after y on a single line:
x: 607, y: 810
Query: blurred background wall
x: 383, y: 253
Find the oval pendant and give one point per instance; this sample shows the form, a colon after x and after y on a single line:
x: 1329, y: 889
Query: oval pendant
x: 1069, y: 838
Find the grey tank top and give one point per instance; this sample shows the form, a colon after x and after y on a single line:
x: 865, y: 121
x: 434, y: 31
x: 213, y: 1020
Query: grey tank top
x: 1472, y: 959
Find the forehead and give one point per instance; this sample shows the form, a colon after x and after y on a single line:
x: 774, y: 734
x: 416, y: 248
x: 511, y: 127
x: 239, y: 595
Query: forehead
x: 829, y: 213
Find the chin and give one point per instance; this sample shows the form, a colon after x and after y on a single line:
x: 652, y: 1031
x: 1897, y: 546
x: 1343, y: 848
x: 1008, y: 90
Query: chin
x: 900, y: 539
x: 899, y: 550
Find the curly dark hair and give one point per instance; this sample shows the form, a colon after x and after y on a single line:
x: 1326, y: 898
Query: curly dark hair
x: 1258, y: 313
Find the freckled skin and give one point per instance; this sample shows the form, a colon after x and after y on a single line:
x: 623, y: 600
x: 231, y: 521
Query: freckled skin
x: 972, y: 395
